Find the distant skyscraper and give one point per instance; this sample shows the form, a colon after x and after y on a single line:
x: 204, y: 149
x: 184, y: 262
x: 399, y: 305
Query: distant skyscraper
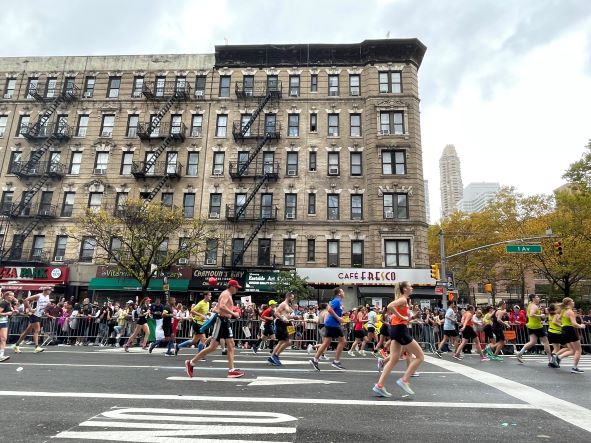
x: 427, y: 205
x: 451, y: 180
x: 476, y: 196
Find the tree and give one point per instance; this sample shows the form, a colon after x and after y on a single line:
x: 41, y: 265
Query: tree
x: 579, y: 172
x: 137, y: 234
x: 292, y: 282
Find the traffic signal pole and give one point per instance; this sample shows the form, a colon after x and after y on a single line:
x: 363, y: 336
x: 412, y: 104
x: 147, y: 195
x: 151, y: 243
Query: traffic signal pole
x: 442, y: 268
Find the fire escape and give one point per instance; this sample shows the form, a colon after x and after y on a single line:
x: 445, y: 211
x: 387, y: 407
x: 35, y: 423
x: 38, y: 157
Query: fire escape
x: 35, y: 173
x: 165, y: 133
x: 251, y: 166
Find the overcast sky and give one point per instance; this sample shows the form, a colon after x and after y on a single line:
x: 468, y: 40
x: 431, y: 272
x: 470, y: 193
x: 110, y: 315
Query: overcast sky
x: 507, y: 82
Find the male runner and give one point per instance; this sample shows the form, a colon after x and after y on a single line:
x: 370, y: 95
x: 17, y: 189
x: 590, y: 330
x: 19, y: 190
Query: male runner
x: 6, y: 311
x: 199, y: 313
x: 222, y: 329
x: 332, y: 329
x: 167, y: 315
x: 42, y: 300
x: 449, y: 327
x: 282, y: 314
x: 372, y: 317
x: 267, y: 322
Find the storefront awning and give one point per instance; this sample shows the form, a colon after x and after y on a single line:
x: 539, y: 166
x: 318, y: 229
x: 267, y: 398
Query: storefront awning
x: 18, y: 286
x: 130, y: 284
x: 376, y: 291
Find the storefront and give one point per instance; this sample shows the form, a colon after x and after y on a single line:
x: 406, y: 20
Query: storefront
x: 261, y: 286
x: 200, y: 280
x: 30, y: 279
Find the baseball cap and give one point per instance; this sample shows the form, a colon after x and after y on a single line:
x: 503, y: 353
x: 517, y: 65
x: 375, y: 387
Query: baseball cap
x: 130, y: 302
x: 272, y: 302
x: 235, y: 284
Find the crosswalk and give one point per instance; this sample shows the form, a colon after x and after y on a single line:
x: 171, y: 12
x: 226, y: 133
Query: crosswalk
x: 584, y: 363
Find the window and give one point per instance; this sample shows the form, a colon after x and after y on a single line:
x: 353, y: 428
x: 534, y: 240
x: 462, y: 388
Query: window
x: 224, y: 86
x: 390, y: 82
x: 333, y: 125
x: 6, y: 204
x: 150, y: 162
x: 3, y: 120
x: 289, y: 252
x: 51, y: 87
x: 167, y: 199
x: 333, y: 85
x: 200, y: 86
x: 115, y: 247
x: 221, y: 125
x: 244, y: 120
x: 242, y: 159
x: 333, y: 206
x: 311, y: 256
x: 176, y: 124
x: 355, y: 125
x: 395, y: 206
x: 101, y: 162
x: 15, y: 161
x: 26, y: 201
x: 239, y: 202
x: 162, y: 250
x: 172, y: 161
x: 291, y: 204
x: 332, y: 249
x: 107, y: 125
x: 196, y: 125
x: 75, y: 162
x: 114, y: 85
x: 138, y: 86
x: 391, y: 122
x: 95, y: 200
x: 82, y: 125
x: 218, y: 163
x: 126, y: 162
x: 357, y: 207
x: 89, y: 87
x: 333, y: 163
x: 292, y: 164
x: 270, y: 123
x: 264, y: 252
x: 87, y: 249
x: 192, y: 164
x: 45, y: 203
x: 356, y: 165
x: 312, y: 156
x: 237, y: 251
x: 248, y: 84
x: 132, y: 122
x: 189, y: 205
x: 62, y: 124
x: 9, y: 89
x: 313, y: 82
x: 397, y: 253
x: 357, y: 253
x: 180, y: 84
x: 272, y: 83
x: 313, y: 122
x: 311, y: 203
x: 23, y: 125
x: 69, y: 83
x: 355, y: 84
x: 293, y: 125
x: 211, y: 251
x: 60, y: 247
x: 32, y: 87
x: 215, y: 205
x: 160, y: 84
x: 267, y: 210
x: 269, y: 163
x: 393, y: 163
x: 294, y: 85
x: 120, y: 201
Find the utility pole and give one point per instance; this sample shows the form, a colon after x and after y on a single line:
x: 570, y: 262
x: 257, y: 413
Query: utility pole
x: 442, y: 273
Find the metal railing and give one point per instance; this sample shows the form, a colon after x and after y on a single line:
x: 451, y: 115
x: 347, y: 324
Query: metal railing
x: 176, y: 130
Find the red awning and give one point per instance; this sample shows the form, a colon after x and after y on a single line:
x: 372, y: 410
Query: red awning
x: 24, y: 286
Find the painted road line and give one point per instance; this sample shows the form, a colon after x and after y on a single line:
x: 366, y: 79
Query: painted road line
x: 262, y: 381
x: 565, y: 410
x: 265, y: 362
x: 277, y: 400
x: 197, y: 415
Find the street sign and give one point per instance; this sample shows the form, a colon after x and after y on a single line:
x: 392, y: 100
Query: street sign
x: 524, y: 249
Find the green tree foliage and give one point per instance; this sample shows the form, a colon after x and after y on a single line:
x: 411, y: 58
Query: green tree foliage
x: 292, y: 282
x: 579, y: 172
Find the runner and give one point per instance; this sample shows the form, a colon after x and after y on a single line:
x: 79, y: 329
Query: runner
x: 498, y: 325
x: 535, y: 329
x: 384, y: 341
x: 570, y: 336
x: 332, y: 330
x: 6, y: 300
x: 468, y: 334
x: 555, y: 332
x: 222, y: 329
x: 321, y: 330
x: 487, y: 329
x: 167, y: 316
x: 199, y: 312
x: 399, y: 309
x: 141, y: 324
x: 358, y: 331
x: 266, y: 326
x: 449, y: 327
x: 42, y: 300
x: 282, y: 321
x: 371, y: 330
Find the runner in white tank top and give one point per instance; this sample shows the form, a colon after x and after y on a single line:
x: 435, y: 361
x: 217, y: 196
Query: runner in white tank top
x: 42, y: 300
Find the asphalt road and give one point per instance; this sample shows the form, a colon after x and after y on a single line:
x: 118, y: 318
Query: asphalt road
x: 103, y: 394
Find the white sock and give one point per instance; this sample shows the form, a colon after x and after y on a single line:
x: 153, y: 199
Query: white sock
x: 1, y: 353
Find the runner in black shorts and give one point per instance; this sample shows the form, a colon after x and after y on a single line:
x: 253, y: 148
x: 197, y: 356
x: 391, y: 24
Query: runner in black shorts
x: 498, y: 325
x: 167, y: 315
x: 332, y: 330
x: 283, y: 315
x: 449, y: 328
x: 468, y: 334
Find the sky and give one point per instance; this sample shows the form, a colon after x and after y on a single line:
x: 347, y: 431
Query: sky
x: 507, y: 82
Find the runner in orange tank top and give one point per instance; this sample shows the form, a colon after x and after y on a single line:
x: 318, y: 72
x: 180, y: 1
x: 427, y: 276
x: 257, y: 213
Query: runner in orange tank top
x: 468, y: 334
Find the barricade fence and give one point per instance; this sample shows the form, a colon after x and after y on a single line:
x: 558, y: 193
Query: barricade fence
x: 86, y: 330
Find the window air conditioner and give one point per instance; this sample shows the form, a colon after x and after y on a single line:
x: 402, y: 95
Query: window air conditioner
x: 333, y: 170
x: 217, y: 171
x: 290, y: 216
x: 248, y: 93
x: 107, y: 133
x: 355, y: 93
x: 87, y: 94
x: 183, y: 261
x: 385, y: 132
x: 210, y: 261
x: 99, y: 171
x: 333, y: 93
x: 7, y: 95
x: 137, y: 94
x: 292, y: 172
x: 58, y: 258
x: 199, y: 93
x: 294, y: 92
x: 389, y: 214
x: 333, y: 134
x: 214, y: 215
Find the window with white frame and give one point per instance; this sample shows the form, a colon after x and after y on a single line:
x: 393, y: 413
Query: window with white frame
x: 332, y: 250
x: 391, y: 122
x: 138, y: 86
x: 95, y: 200
x: 221, y: 125
x: 107, y: 125
x: 114, y: 86
x: 75, y: 163
x: 293, y: 125
x: 218, y: 163
x: 215, y: 205
x: 101, y: 162
x: 333, y: 85
x: 355, y: 125
x: 3, y: 120
x: 294, y: 85
x: 333, y: 125
x: 333, y: 163
x: 354, y: 84
x: 192, y: 164
x: 289, y: 252
x: 397, y: 253
x: 196, y: 125
x: 126, y: 162
x: 132, y: 122
x: 291, y: 205
x: 292, y: 164
x: 82, y: 127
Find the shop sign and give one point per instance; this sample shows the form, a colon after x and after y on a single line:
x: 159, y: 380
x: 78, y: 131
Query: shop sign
x: 200, y: 279
x: 31, y: 273
x: 360, y: 276
x: 261, y: 281
x: 175, y: 273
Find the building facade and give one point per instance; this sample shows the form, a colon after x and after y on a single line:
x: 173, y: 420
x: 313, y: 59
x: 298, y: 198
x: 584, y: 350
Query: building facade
x: 304, y: 156
x: 476, y: 196
x: 451, y: 180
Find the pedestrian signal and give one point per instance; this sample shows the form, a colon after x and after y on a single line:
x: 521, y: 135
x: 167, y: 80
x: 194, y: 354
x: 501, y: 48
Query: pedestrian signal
x: 450, y: 296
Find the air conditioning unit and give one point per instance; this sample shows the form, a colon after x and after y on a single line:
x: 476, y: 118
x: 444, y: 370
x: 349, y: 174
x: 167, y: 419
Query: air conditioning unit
x: 195, y: 133
x: 389, y: 214
x: 294, y: 92
x: 385, y: 132
x: 87, y: 94
x: 248, y: 93
x: 58, y: 258
x: 7, y: 95
x: 355, y: 93
x: 292, y: 172
x: 183, y: 261
x: 210, y: 261
x: 290, y: 216
x: 136, y: 94
x: 333, y: 170
x: 99, y: 171
x: 333, y: 134
x: 214, y: 215
x: 199, y: 93
x: 108, y: 133
x: 333, y: 93
x: 218, y: 171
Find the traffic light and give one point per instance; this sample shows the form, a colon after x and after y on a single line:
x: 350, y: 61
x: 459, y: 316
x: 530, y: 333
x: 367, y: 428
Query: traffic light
x: 435, y: 271
x: 488, y: 288
x: 450, y: 295
x: 558, y: 248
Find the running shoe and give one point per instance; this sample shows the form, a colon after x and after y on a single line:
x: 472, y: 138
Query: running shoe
x: 176, y: 349
x: 351, y: 353
x: 553, y: 364
x: 405, y: 386
x: 236, y: 373
x: 310, y: 349
x: 39, y: 349
x: 255, y: 349
x: 558, y: 360
x: 383, y: 353
x: 576, y: 371
x: 315, y: 364
x: 437, y: 353
x: 224, y: 351
x: 151, y: 347
x: 362, y: 352
x: 4, y: 358
x: 457, y: 357
x: 381, y: 392
x: 484, y: 358
x: 189, y: 368
x: 272, y: 361
x: 416, y: 374
x: 338, y: 365
x: 488, y: 351
x: 324, y: 357
x: 276, y: 360
x: 168, y: 354
x: 16, y: 349
x: 519, y: 357
x: 380, y: 364
x: 495, y: 358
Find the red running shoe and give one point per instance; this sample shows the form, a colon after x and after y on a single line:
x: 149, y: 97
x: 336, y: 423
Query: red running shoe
x: 236, y: 373
x: 189, y: 368
x: 383, y: 353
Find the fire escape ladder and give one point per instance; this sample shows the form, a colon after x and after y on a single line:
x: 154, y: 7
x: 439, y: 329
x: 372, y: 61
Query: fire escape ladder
x: 155, y: 154
x: 252, y: 155
x: 156, y: 189
x: 251, y: 196
x: 29, y: 194
x: 248, y: 242
x: 156, y: 119
x: 255, y: 114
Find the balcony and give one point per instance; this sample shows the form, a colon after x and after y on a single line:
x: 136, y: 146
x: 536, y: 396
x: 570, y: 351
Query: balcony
x: 176, y: 130
x: 34, y: 132
x: 255, y: 169
x: 164, y: 91
x: 158, y: 169
x: 40, y: 210
x: 252, y: 212
x: 273, y: 132
x: 258, y: 90
x: 48, y: 91
x: 33, y: 256
x: 52, y: 169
